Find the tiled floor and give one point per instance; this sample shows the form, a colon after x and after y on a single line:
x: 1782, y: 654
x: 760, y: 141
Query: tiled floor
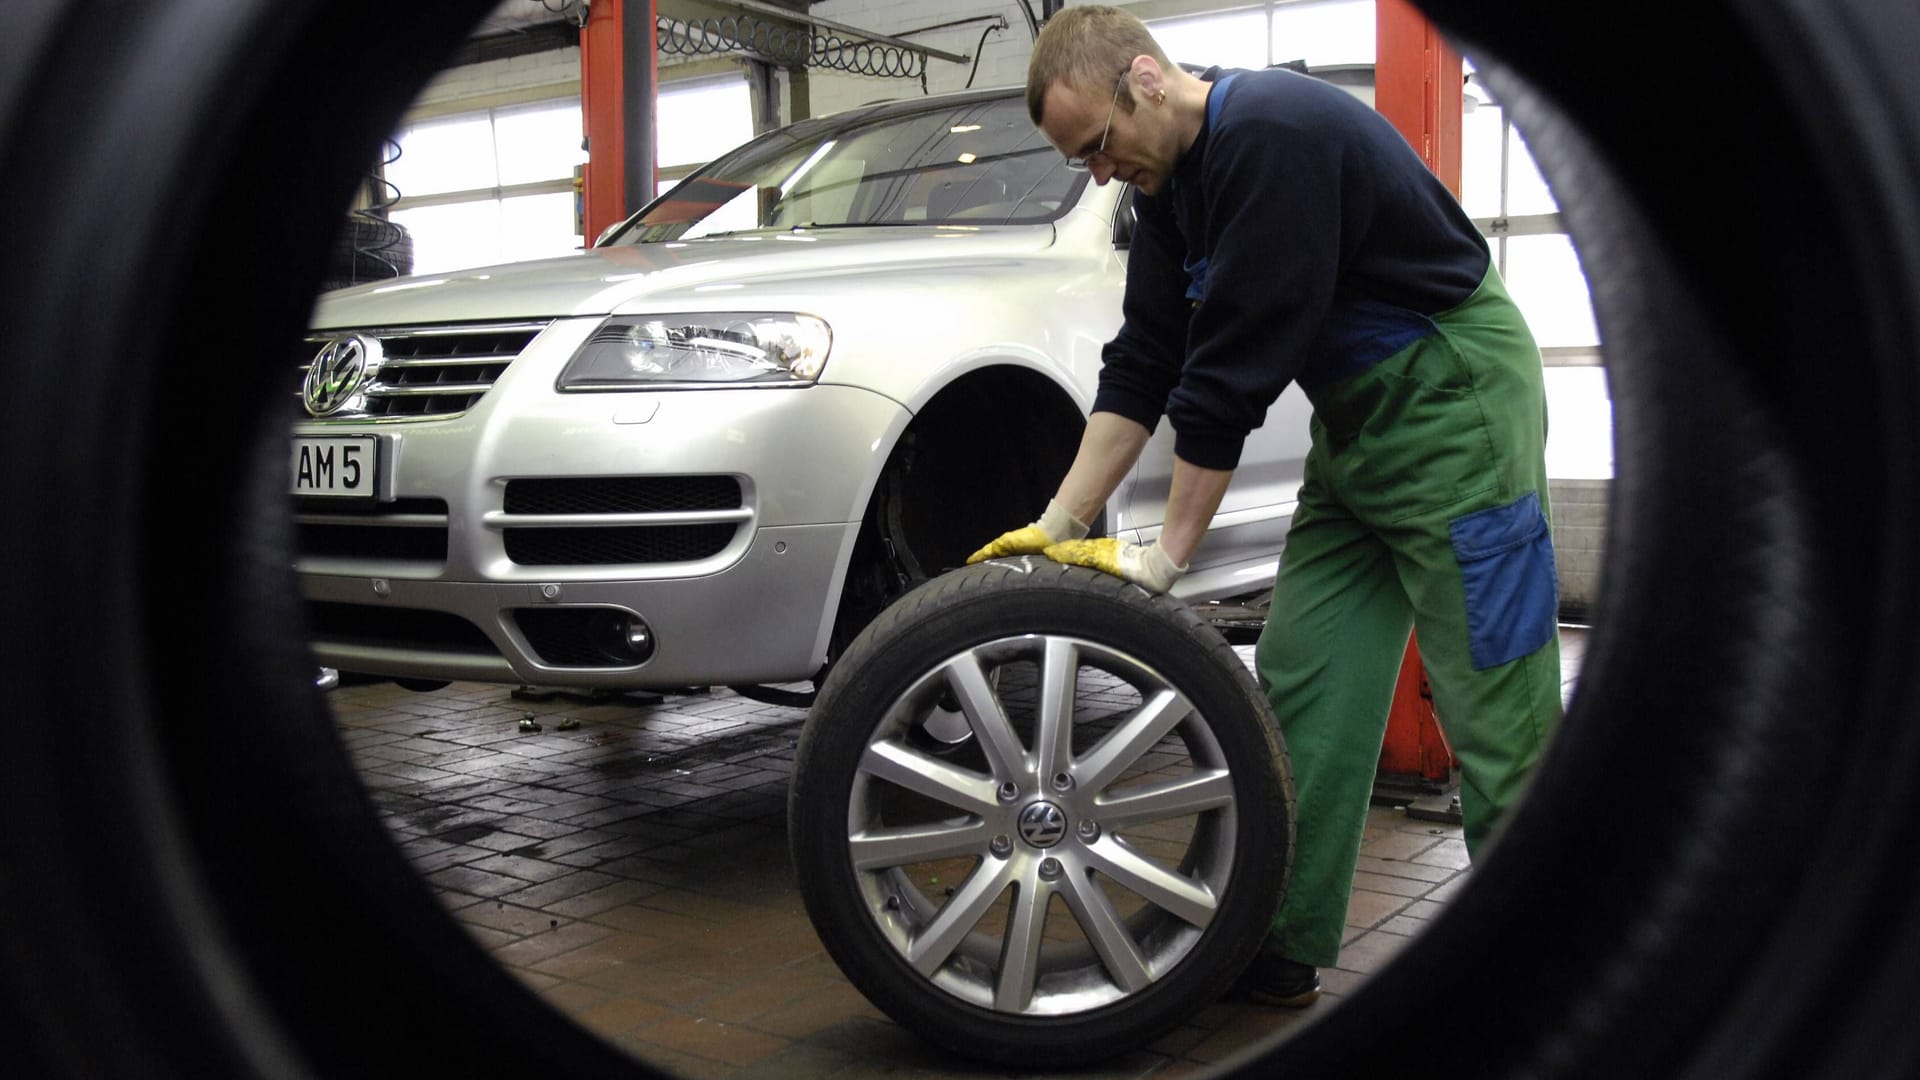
x: 628, y: 860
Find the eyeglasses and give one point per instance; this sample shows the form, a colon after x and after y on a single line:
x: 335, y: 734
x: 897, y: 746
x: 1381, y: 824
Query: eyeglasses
x: 1082, y: 164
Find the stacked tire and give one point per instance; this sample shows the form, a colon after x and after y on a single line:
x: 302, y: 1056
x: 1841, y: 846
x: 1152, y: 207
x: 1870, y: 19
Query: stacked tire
x: 1711, y: 876
x: 369, y: 249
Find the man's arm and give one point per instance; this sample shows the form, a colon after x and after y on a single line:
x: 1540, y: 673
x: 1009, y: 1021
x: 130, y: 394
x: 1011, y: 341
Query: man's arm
x: 1196, y: 494
x: 1106, y: 455
x: 1108, y: 449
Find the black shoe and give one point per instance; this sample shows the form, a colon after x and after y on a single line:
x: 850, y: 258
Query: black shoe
x: 1273, y: 979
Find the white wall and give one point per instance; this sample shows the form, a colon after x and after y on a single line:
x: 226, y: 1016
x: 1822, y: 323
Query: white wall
x: 1003, y: 57
x: 487, y: 82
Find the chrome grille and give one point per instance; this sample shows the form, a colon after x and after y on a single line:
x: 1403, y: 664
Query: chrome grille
x: 430, y: 371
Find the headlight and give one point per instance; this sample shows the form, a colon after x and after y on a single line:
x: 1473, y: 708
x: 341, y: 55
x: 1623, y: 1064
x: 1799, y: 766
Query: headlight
x: 714, y: 349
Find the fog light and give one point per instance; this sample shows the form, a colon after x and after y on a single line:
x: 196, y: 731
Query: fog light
x: 624, y: 637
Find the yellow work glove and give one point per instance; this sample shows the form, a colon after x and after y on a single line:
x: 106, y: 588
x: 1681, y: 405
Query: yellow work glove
x: 1055, y: 525
x: 1148, y: 567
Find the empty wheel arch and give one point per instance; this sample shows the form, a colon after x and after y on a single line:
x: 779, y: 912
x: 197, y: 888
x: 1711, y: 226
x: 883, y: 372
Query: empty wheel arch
x: 983, y: 456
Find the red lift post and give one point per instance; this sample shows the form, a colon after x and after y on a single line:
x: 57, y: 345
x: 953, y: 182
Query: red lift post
x: 1417, y: 86
x: 619, y: 67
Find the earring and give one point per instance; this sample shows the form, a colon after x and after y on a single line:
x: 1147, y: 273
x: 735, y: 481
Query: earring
x: 1162, y: 99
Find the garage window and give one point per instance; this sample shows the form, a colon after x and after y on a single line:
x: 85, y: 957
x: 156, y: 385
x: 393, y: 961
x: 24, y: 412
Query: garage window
x: 496, y: 185
x: 698, y: 121
x: 1503, y: 191
x: 1324, y: 33
x: 490, y: 186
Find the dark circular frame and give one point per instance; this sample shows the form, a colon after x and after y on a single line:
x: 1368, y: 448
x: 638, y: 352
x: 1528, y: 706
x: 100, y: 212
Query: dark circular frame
x: 1710, y: 877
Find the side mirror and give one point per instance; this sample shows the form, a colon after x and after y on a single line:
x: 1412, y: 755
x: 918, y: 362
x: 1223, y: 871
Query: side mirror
x: 606, y: 234
x: 1123, y: 222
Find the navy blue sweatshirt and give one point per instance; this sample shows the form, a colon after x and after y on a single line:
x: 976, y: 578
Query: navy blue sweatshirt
x: 1299, y: 239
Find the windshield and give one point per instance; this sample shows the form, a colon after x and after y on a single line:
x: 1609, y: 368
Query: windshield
x: 980, y: 162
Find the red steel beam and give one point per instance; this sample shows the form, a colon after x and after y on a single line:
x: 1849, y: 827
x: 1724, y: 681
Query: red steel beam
x: 619, y: 71
x: 1417, y: 86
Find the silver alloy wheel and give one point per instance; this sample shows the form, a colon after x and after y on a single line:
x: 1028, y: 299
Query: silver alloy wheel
x: 1092, y: 779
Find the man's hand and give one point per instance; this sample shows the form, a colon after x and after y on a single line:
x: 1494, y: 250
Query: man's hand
x: 1055, y: 525
x: 1148, y: 567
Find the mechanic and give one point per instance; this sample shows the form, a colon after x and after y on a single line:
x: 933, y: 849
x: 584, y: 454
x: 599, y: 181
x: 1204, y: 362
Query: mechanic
x: 1286, y: 232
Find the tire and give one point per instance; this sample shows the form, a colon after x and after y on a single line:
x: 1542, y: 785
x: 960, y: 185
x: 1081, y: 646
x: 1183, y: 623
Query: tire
x: 1712, y: 875
x: 369, y: 249
x: 200, y: 897
x: 1183, y: 889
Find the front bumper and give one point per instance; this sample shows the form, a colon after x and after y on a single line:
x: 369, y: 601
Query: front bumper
x: 753, y: 605
x: 761, y: 620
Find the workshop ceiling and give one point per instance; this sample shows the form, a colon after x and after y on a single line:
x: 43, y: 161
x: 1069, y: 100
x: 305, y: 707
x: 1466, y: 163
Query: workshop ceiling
x: 692, y: 28
x: 522, y: 16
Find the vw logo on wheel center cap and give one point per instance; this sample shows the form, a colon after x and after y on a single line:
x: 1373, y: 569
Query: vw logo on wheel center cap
x: 1043, y: 824
x: 338, y: 372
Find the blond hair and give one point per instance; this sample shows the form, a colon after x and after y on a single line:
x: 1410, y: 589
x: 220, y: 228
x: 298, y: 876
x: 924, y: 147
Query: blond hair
x: 1086, y: 46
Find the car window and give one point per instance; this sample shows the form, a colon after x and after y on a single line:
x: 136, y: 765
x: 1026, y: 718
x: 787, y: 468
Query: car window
x: 977, y: 162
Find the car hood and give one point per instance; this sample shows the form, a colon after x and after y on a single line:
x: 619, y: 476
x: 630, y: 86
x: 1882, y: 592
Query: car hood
x: 606, y: 280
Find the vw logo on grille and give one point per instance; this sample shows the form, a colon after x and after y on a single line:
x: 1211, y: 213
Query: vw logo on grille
x: 338, y: 372
x: 1042, y: 824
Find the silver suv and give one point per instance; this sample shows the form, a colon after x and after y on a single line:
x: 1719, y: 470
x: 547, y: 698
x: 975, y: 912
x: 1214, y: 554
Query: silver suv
x: 710, y: 449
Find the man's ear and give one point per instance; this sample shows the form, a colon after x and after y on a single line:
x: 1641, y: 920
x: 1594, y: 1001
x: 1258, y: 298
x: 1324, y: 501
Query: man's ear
x: 1148, y: 76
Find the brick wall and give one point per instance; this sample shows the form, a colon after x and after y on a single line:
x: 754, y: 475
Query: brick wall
x: 1579, y: 535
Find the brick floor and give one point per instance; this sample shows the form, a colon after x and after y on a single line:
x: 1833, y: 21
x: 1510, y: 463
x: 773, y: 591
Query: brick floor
x: 628, y: 861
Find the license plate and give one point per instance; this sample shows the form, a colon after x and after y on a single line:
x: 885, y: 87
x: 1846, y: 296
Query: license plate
x: 337, y: 466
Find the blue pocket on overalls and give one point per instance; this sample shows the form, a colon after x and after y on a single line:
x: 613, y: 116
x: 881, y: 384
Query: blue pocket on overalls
x: 1513, y: 591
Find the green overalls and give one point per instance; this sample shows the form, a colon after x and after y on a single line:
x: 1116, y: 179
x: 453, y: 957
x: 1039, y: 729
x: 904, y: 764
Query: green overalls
x: 1424, y: 508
